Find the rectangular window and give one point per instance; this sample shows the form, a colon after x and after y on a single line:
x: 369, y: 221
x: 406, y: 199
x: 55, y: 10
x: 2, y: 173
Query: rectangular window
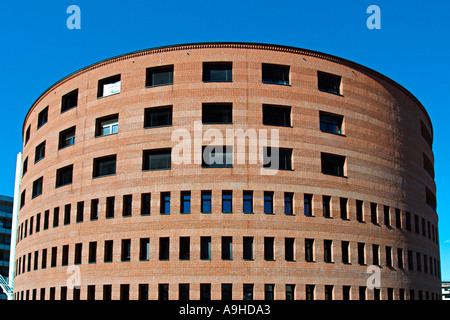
x: 217, y: 157
x: 430, y: 198
x: 309, y: 250
x: 289, y: 249
x: 408, y: 220
x: 307, y: 205
x: 158, y: 117
x: 25, y: 166
x: 165, y: 203
x: 387, y: 216
x: 124, y: 292
x: 104, y: 166
x: 108, y: 253
x: 359, y: 211
x: 268, y: 248
x: 375, y: 254
x: 65, y: 255
x: 343, y: 207
x: 277, y: 158
x: 309, y: 291
x: 206, y: 202
x: 94, y: 209
x: 46, y: 219
x: 78, y: 253
x: 227, y: 291
x: 410, y: 260
x: 109, y: 86
x: 157, y: 159
x: 426, y: 133
x: 185, y: 248
x: 27, y: 134
x: 69, y: 100
x: 163, y: 291
x: 44, y: 259
x: 268, y: 202
x: 275, y: 74
x: 205, y: 291
x: 274, y: 115
x: 22, y: 198
x: 326, y: 206
x: 331, y: 123
x: 126, y: 250
x: 373, y: 213
x: 91, y: 292
x: 183, y: 291
x: 247, y: 202
x: 67, y: 210
x: 185, y: 205
x: 37, y: 187
x: 361, y: 253
x: 248, y: 291
x: 428, y: 165
x: 329, y: 292
x: 345, y: 246
x: 346, y: 292
x: 269, y: 292
x: 329, y: 82
x: 290, y: 291
x: 38, y: 222
x: 248, y: 248
x: 39, y: 152
x: 54, y: 257
x: 64, y: 176
x: 42, y: 117
x: 217, y: 113
x: 333, y: 164
x: 400, y: 258
x: 205, y: 248
x: 159, y: 76
x: 227, y: 201
x: 107, y: 292
x: 388, y: 257
x: 217, y: 71
x: 145, y: 204
x: 419, y: 262
x: 92, y: 252
x: 127, y: 205
x: 227, y: 248
x: 288, y: 203
x: 110, y: 202
x: 144, y: 249
x: 398, y: 218
x: 164, y: 248
x: 108, y: 125
x: 66, y: 138
x: 327, y: 251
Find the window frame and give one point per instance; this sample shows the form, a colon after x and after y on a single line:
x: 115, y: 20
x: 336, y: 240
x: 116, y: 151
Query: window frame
x: 66, y: 101
x: 66, y: 139
x: 226, y: 66
x: 146, y: 161
x: 270, y: 112
x: 42, y: 118
x: 108, y: 81
x: 333, y: 160
x: 268, y: 70
x: 327, y: 120
x: 96, y: 172
x: 109, y: 121
x: 59, y: 178
x: 151, y: 112
x: 159, y: 70
x: 223, y: 109
x: 326, y: 87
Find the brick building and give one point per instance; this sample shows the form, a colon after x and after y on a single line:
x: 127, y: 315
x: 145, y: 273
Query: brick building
x: 107, y: 205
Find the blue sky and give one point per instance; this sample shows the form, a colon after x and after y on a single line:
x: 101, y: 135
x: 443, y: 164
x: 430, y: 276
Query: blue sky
x: 412, y: 47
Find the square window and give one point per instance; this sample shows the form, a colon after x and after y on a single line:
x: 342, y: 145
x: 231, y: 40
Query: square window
x: 275, y: 74
x: 217, y: 71
x: 42, y: 117
x: 64, y: 176
x: 158, y: 117
x: 333, y: 164
x: 37, y: 187
x: 66, y: 138
x: 277, y: 158
x: 69, y: 100
x: 107, y: 125
x: 39, y: 152
x: 159, y: 76
x: 104, y: 166
x: 109, y: 86
x: 329, y: 82
x: 276, y: 115
x: 217, y: 113
x: 217, y: 157
x: 158, y: 159
x: 331, y: 123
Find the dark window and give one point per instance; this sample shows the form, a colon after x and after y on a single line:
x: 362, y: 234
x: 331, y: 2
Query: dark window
x: 309, y: 290
x: 217, y: 71
x: 124, y: 292
x: 67, y: 210
x: 108, y: 125
x: 163, y: 291
x: 290, y: 291
x: 127, y: 205
x: 248, y: 291
x: 361, y: 253
x: 343, y: 206
x: 110, y: 203
x: 227, y: 291
x: 288, y: 203
x: 307, y: 205
x: 158, y: 117
x: 44, y: 259
x: 205, y: 291
x: 144, y: 249
x: 326, y: 206
x: 217, y: 113
x: 205, y: 248
x: 362, y: 293
x: 145, y: 204
x: 428, y: 165
x: 165, y: 203
x: 268, y: 248
x: 408, y: 220
x: 46, y: 219
x: 269, y: 292
x: 94, y: 209
x: 107, y: 292
x: 327, y: 251
x: 328, y: 292
x: 247, y: 202
x: 126, y: 250
x: 268, y: 202
x: 54, y: 257
x: 410, y: 260
x: 64, y: 176
x: 217, y: 157
x: 185, y: 248
x: 159, y: 159
x: 39, y: 152
x: 185, y: 206
x: 333, y: 164
x: 42, y: 117
x: 108, y: 253
x: 92, y: 252
x: 430, y: 198
x: 426, y: 133
x: 65, y: 255
x: 27, y: 134
x: 164, y: 247
x: 359, y: 211
x: 206, y: 202
x: 25, y: 166
x: 104, y: 166
x: 67, y: 138
x: 309, y: 250
x: 38, y: 222
x: 345, y: 245
x: 69, y: 101
x: 37, y: 187
x: 346, y: 292
x: 248, y: 248
x: 159, y: 76
x: 108, y: 86
x: 329, y: 82
x: 78, y: 253
x: 289, y: 249
x: 331, y: 123
x: 227, y: 201
x: 398, y: 218
x: 277, y: 158
x: 227, y: 248
x: 275, y: 74
x: 388, y: 257
x: 276, y: 115
x: 375, y: 254
x: 373, y: 213
x: 183, y: 291
x: 91, y: 292
x: 387, y: 216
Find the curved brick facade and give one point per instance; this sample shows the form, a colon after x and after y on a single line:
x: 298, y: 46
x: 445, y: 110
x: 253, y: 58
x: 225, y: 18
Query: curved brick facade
x: 380, y: 194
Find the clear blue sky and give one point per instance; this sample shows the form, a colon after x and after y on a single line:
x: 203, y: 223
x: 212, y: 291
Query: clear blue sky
x: 412, y: 47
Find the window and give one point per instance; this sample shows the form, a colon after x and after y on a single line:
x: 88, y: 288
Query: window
x: 276, y: 115
x: 158, y: 117
x: 65, y: 255
x: 428, y: 165
x: 268, y: 202
x: 227, y: 201
x: 288, y: 203
x: 426, y: 134
x: 104, y: 166
x: 282, y: 158
x: 247, y: 202
x: 289, y: 249
x: 46, y: 219
x: 410, y: 260
x: 398, y: 219
x: 400, y: 258
x: 375, y: 254
x: 430, y: 198
x: 108, y: 253
x: 124, y: 292
x: 67, y: 138
x: 331, y: 123
x: 328, y: 82
x: 327, y: 251
x: 110, y: 207
x: 107, y: 125
x: 217, y: 157
x: 345, y: 246
x: 248, y: 291
x: 185, y: 248
x: 126, y: 250
x: 333, y: 164
x: 44, y: 259
x: 42, y: 117
x: 227, y: 291
x: 269, y: 292
x: 387, y: 216
x: 248, y: 248
x: 69, y: 101
x: 127, y: 205
x: 309, y: 290
x: 185, y: 206
x: 217, y: 113
x: 206, y: 202
x: 388, y: 257
x: 361, y: 253
x: 67, y: 210
x: 373, y: 213
x: 309, y: 250
x: 343, y: 206
x: 227, y: 248
x: 78, y: 253
x: 157, y: 159
x: 91, y: 292
x: 275, y: 74
x: 163, y: 291
x: 183, y: 291
x: 408, y: 220
x: 290, y: 291
x: 92, y: 252
x: 94, y: 209
x: 328, y: 292
x: 144, y: 249
x: 107, y: 292
x: 27, y: 134
x: 165, y: 203
x: 205, y: 291
x: 307, y: 205
x: 205, y: 248
x: 326, y: 206
x: 164, y: 247
x: 37, y: 187
x: 159, y: 76
x: 346, y: 292
x: 64, y: 176
x: 268, y: 248
x: 359, y: 211
x: 54, y: 257
x: 25, y: 166
x: 109, y: 86
x: 39, y: 152
x: 217, y: 71
x: 145, y: 204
